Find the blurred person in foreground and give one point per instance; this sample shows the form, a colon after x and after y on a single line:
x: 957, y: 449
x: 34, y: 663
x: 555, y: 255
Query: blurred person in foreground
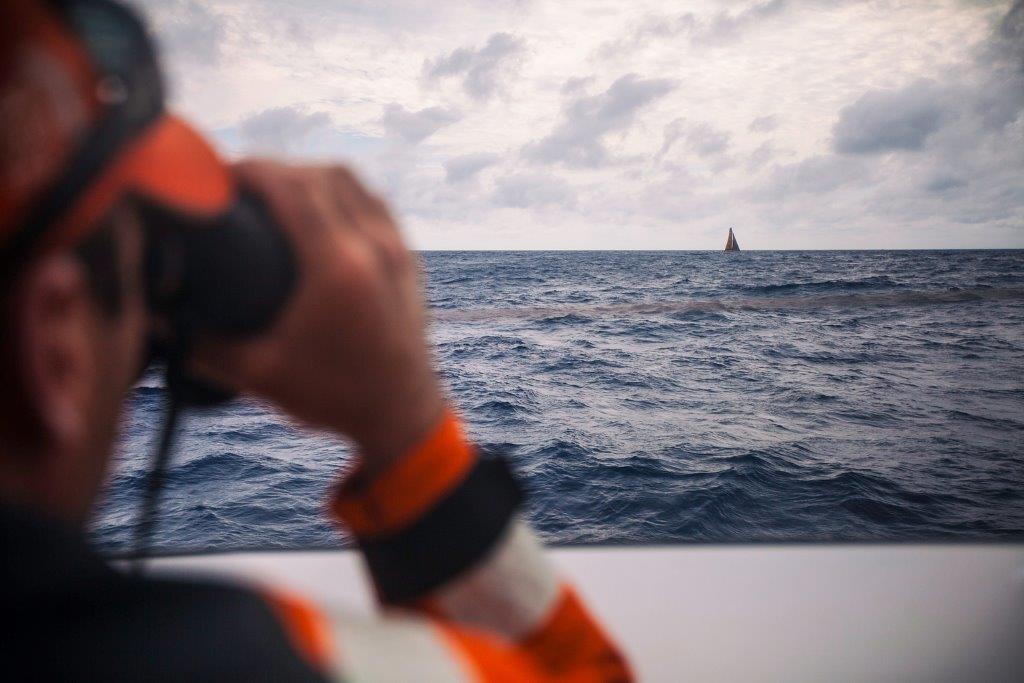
x: 469, y: 592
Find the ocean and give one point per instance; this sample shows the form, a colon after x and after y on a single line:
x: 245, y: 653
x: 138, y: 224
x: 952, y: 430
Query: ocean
x: 665, y: 398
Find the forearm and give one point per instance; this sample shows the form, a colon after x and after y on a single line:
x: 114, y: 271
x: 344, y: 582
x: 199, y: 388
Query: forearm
x: 442, y: 537
x: 436, y: 523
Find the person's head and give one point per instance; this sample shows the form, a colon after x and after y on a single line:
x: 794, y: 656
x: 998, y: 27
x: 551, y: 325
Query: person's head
x: 71, y: 313
x: 83, y: 138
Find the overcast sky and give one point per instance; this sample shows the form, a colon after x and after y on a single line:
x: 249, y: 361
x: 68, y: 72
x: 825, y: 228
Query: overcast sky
x: 630, y: 125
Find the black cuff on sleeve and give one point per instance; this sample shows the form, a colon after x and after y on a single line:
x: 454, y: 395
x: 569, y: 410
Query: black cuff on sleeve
x: 449, y: 539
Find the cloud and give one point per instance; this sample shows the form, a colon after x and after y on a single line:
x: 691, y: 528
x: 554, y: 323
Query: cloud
x: 480, y: 68
x: 816, y: 175
x: 576, y: 84
x: 672, y: 133
x: 721, y: 29
x: 809, y: 122
x: 942, y: 183
x: 727, y: 27
x: 416, y: 126
x: 763, y: 124
x: 281, y: 129
x: 705, y: 140
x: 764, y: 153
x: 938, y: 137
x: 888, y: 120
x: 579, y: 139
x: 467, y: 166
x: 186, y: 30
x: 701, y: 138
x: 525, y: 190
x: 1010, y: 34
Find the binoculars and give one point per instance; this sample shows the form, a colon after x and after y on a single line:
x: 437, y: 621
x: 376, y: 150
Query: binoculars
x: 227, y: 275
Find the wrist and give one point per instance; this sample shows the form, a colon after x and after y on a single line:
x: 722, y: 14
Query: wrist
x: 389, y: 435
x: 395, y: 495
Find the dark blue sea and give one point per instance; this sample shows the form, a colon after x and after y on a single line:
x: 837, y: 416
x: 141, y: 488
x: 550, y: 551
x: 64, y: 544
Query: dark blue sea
x: 667, y: 397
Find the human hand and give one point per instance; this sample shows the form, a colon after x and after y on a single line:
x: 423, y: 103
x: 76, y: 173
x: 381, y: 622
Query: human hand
x: 349, y: 351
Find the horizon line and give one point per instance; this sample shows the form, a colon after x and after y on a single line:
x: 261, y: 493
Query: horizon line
x: 708, y: 250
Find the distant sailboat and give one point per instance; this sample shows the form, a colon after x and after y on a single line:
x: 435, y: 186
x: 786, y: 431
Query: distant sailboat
x: 731, y: 244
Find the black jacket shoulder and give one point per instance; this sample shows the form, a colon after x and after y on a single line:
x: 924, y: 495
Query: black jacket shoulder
x: 67, y: 615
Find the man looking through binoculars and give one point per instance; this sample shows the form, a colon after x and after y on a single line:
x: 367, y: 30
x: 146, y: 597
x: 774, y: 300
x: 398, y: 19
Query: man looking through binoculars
x: 346, y: 352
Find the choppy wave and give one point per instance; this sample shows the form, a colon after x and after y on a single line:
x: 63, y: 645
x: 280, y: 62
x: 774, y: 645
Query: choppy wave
x: 667, y: 398
x: 569, y: 314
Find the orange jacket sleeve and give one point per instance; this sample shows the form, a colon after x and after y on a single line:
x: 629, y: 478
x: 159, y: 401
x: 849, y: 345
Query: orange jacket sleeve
x: 443, y: 540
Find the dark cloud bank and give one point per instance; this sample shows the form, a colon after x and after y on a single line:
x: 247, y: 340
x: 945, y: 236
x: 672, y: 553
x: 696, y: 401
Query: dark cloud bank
x: 948, y: 149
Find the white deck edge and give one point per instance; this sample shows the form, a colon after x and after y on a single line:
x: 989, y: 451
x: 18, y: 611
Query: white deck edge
x: 753, y: 613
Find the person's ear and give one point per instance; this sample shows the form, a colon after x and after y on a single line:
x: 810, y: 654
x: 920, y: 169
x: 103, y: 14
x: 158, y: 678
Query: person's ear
x: 57, y: 366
